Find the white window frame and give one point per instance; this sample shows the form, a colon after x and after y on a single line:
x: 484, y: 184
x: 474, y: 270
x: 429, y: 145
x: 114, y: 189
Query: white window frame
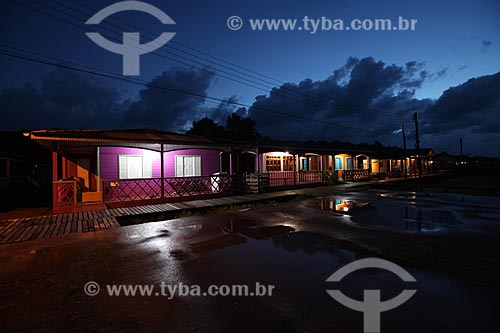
x: 147, y: 167
x: 181, y: 173
x: 341, y: 163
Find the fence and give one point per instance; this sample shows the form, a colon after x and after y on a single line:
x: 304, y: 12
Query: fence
x: 65, y: 195
x: 355, y: 175
x: 126, y: 190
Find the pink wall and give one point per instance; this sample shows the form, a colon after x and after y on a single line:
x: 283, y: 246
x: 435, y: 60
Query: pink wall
x: 109, y: 160
x: 210, y: 161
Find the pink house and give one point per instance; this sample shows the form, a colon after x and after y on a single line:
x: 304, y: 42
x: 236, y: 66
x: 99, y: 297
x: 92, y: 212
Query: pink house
x: 94, y: 168
x: 120, y: 167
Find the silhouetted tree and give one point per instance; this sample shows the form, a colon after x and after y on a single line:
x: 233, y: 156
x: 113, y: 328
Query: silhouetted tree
x: 237, y: 128
x: 240, y: 128
x: 208, y: 128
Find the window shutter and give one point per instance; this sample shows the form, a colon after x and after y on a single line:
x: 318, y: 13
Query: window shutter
x: 147, y: 167
x: 197, y: 165
x: 122, y: 167
x: 179, y: 166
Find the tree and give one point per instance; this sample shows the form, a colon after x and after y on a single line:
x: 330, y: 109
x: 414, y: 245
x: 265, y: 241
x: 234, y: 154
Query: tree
x: 237, y: 128
x: 208, y: 128
x: 240, y: 128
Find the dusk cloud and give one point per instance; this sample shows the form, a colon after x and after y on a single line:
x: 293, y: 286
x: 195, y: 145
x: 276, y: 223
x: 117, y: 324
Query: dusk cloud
x: 473, y: 105
x: 362, y: 101
x: 364, y: 93
x: 158, y: 108
x: 63, y: 99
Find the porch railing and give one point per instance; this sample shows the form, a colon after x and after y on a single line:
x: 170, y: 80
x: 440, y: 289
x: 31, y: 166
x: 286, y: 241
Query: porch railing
x: 125, y: 190
x: 280, y: 179
x: 309, y: 177
x: 65, y: 195
x: 355, y: 175
x: 330, y: 177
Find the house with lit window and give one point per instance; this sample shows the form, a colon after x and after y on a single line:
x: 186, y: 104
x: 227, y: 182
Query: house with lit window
x: 114, y: 168
x: 92, y: 168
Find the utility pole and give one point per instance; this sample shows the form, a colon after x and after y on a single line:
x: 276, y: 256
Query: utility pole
x: 404, y: 147
x: 417, y: 146
x: 461, y: 151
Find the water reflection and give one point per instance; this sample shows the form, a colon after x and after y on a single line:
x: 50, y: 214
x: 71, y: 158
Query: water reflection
x: 403, y: 216
x: 210, y: 236
x: 341, y: 205
x: 254, y: 229
x: 205, y: 237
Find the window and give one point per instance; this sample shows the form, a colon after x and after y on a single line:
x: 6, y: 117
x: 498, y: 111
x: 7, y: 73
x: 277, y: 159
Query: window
x: 273, y: 163
x: 187, y: 166
x: 287, y: 163
x: 134, y: 167
x: 305, y: 164
x: 348, y: 162
x: 338, y: 163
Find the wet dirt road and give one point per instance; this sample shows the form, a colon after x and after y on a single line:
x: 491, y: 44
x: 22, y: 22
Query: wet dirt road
x: 447, y: 243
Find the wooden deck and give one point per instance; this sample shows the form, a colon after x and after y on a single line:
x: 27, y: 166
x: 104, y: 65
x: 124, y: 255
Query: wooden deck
x: 50, y: 225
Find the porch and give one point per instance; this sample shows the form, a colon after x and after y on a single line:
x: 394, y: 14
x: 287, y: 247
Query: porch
x: 119, y: 168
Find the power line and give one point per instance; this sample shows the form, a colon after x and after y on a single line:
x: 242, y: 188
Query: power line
x: 175, y: 90
x: 285, y: 92
x: 184, y: 45
x: 225, y: 101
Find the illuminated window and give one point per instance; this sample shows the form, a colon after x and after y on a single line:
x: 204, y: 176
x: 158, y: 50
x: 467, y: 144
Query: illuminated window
x: 273, y: 163
x: 187, y: 166
x: 338, y: 163
x: 134, y: 167
x: 287, y: 163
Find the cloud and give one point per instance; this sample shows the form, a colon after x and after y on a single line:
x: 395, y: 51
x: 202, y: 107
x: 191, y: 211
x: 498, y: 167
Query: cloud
x: 224, y: 109
x: 362, y: 101
x: 63, y: 99
x: 473, y: 105
x: 363, y: 93
x: 158, y: 108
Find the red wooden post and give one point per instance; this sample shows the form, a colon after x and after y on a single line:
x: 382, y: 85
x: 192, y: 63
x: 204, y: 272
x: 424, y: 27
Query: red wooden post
x: 162, y: 171
x: 54, y: 179
x: 55, y: 176
x: 294, y: 169
x: 64, y: 167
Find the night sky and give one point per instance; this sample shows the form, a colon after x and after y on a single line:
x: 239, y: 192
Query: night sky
x: 357, y: 86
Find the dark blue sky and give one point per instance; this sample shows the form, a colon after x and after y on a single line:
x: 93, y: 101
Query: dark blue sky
x: 453, y: 42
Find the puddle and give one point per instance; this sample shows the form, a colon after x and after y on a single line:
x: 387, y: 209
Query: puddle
x: 298, y: 264
x: 254, y: 229
x: 407, y: 195
x: 342, y: 206
x: 390, y: 214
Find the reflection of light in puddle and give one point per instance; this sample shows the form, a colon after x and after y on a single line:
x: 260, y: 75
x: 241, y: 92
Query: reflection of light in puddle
x: 406, y: 195
x: 190, y: 226
x: 342, y: 207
